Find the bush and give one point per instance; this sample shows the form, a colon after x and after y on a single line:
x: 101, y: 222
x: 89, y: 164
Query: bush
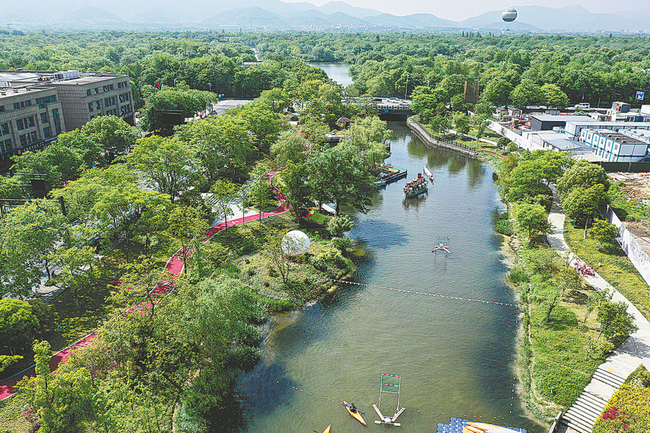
x: 504, y: 227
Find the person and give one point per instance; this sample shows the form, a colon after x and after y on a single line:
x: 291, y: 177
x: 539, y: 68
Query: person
x: 353, y: 408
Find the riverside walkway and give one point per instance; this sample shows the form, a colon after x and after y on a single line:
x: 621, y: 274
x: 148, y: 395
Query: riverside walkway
x: 173, y: 267
x: 581, y: 416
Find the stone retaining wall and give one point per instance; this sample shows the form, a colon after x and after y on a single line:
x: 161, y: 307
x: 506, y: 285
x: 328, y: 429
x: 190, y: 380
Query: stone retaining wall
x: 431, y: 141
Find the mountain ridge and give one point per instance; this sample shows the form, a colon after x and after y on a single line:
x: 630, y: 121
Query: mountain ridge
x: 276, y: 15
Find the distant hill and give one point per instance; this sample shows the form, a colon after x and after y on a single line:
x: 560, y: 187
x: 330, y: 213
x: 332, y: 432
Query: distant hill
x: 274, y: 15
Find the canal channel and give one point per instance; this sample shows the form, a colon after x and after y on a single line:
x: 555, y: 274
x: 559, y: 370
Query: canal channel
x: 456, y: 356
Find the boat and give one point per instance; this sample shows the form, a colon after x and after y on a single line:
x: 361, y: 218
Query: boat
x: 389, y: 174
x: 356, y: 414
x: 416, y: 187
x: 428, y: 173
x: 327, y: 430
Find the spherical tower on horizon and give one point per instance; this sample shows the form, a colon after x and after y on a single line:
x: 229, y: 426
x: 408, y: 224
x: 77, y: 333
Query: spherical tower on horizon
x: 509, y: 15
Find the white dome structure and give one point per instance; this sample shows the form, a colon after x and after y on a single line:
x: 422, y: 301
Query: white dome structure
x: 295, y: 243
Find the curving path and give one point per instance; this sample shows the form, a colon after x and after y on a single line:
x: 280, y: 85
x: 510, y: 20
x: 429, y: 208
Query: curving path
x: 581, y: 416
x: 174, y: 266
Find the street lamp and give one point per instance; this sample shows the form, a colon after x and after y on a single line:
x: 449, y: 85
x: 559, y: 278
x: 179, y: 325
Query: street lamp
x: 210, y: 86
x: 175, y: 82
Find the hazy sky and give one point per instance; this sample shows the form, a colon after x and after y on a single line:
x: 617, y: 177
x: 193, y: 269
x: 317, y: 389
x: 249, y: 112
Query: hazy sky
x: 458, y: 10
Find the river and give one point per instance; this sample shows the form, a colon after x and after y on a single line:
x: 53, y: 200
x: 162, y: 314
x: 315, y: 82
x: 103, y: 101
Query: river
x: 456, y: 357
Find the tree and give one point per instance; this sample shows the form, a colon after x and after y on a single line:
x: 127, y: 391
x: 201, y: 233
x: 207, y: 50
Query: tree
x: 261, y: 195
x: 532, y: 219
x: 112, y: 132
x: 526, y: 93
x: 63, y: 400
x: 167, y: 165
x: 497, y: 92
x: 583, y: 175
x: 554, y: 97
x: 18, y: 326
x: 604, y: 232
x: 28, y: 235
x: 297, y: 188
x: 186, y: 224
x: 187, y: 102
x: 224, y: 193
x: 616, y: 322
x: 76, y: 263
x: 58, y: 162
x: 461, y: 123
x: 341, y: 176
x: 369, y: 135
x: 222, y: 143
x: 289, y: 147
x: 582, y: 204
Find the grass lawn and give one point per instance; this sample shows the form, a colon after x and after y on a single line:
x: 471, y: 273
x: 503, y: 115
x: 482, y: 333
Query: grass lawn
x: 613, y: 266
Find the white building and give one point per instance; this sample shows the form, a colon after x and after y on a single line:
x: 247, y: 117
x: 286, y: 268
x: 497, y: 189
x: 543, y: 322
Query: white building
x: 615, y: 146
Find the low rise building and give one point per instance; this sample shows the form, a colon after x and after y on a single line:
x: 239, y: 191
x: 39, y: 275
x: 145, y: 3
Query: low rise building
x: 30, y: 118
x: 615, y: 146
x: 36, y: 106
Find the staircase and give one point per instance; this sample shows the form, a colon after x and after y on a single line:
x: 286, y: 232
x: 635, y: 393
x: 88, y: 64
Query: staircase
x: 582, y: 415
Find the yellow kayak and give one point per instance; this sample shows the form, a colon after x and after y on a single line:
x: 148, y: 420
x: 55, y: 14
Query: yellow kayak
x: 356, y: 414
x: 327, y: 430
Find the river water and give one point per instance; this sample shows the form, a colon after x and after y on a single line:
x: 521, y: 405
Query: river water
x: 456, y: 357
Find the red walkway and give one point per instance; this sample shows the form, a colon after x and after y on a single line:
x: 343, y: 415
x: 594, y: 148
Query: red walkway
x: 174, y: 267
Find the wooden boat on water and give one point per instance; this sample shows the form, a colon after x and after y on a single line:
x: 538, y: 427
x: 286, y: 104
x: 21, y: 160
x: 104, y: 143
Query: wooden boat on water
x: 389, y: 174
x: 354, y: 412
x: 416, y: 187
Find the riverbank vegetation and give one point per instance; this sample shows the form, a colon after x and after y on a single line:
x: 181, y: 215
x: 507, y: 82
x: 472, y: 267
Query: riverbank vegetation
x: 170, y: 361
x: 568, y: 327
x: 137, y: 198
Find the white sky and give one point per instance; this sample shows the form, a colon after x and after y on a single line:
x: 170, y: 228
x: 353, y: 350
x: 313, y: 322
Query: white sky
x: 458, y: 10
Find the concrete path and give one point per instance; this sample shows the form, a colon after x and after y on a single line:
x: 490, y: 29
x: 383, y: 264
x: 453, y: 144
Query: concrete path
x: 580, y: 417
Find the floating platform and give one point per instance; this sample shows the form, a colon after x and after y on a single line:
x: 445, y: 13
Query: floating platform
x: 456, y: 425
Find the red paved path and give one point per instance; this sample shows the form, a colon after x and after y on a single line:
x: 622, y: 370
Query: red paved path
x: 174, y: 267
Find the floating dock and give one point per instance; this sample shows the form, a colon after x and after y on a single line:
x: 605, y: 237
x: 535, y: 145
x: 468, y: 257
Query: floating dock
x: 456, y: 425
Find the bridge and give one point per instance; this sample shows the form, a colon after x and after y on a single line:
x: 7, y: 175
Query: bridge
x: 393, y: 107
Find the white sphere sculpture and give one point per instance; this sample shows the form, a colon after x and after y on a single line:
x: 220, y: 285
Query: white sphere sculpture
x: 295, y: 243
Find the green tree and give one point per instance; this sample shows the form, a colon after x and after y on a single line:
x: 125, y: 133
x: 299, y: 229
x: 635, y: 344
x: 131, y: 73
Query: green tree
x: 582, y: 175
x: 582, y: 204
x: 187, y: 102
x: 76, y: 263
x: 186, y: 225
x: 554, y: 96
x: 289, y: 147
x: 224, y: 192
x: 222, y: 144
x: 112, y: 132
x: 28, y: 235
x: 527, y: 93
x: 532, y: 219
x: 604, y: 232
x: 18, y: 326
x: 616, y: 322
x: 341, y: 176
x: 461, y: 123
x: 167, y: 165
x: 296, y: 186
x: 497, y: 92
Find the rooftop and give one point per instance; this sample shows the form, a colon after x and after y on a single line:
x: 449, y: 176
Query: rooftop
x: 618, y: 137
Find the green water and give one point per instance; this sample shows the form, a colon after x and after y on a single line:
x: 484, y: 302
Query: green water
x: 455, y: 356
